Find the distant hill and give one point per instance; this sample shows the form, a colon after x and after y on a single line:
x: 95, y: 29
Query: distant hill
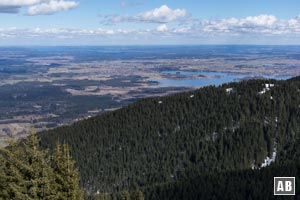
x: 178, y: 141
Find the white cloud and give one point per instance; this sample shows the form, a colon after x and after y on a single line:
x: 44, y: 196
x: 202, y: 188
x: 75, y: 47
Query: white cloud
x: 36, y: 7
x: 294, y: 23
x: 18, y: 2
x: 260, y: 23
x: 13, y: 6
x: 162, y: 28
x: 162, y: 14
x: 51, y: 7
x: 260, y: 20
x: 229, y: 29
x: 61, y: 32
x: 128, y: 4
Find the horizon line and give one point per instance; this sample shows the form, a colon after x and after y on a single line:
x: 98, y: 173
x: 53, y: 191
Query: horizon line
x: 145, y: 45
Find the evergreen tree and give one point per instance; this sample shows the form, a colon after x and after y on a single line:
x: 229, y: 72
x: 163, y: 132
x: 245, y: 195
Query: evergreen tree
x: 66, y: 175
x: 26, y: 173
x: 104, y: 196
x: 138, y: 195
x: 39, y: 174
x: 125, y: 195
x: 12, y: 179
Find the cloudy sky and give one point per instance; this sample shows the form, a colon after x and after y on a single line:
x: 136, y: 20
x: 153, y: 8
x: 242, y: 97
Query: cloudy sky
x: 143, y: 22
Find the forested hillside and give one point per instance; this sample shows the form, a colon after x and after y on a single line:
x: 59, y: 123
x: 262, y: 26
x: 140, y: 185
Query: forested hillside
x: 160, y: 144
x: 232, y: 185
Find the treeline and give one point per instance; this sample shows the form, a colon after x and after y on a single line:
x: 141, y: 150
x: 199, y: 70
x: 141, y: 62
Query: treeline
x: 26, y: 172
x: 183, y: 136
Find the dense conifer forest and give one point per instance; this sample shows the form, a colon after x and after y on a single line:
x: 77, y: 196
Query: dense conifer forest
x: 232, y: 185
x: 210, y: 143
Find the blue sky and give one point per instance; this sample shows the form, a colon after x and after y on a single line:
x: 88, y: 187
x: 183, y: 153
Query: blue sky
x: 126, y: 22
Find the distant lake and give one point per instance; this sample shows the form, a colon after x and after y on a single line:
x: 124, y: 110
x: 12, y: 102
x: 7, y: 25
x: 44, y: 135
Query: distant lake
x: 204, y: 78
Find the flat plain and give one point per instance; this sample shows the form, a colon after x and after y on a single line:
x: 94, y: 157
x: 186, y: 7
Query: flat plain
x: 48, y: 87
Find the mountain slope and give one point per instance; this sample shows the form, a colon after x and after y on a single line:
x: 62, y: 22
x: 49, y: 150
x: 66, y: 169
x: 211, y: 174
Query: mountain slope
x: 179, y: 137
x: 232, y: 185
